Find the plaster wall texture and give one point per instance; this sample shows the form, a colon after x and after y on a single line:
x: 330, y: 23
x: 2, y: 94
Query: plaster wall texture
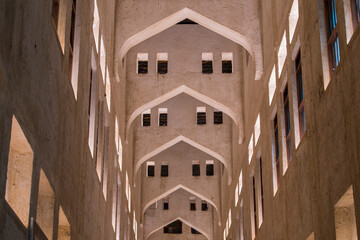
x: 179, y: 207
x: 182, y: 119
x: 35, y: 87
x: 325, y: 163
x: 179, y: 159
x: 242, y: 17
x: 185, y: 45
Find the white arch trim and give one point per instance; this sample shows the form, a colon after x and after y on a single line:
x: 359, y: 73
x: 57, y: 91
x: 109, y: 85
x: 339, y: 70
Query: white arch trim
x: 188, y: 141
x: 180, y: 186
x: 184, y: 221
x: 191, y: 92
x: 203, y: 21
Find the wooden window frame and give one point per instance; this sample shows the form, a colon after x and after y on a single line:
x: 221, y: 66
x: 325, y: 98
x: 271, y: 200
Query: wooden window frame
x: 300, y: 95
x: 287, y: 120
x: 332, y: 28
x: 277, y: 148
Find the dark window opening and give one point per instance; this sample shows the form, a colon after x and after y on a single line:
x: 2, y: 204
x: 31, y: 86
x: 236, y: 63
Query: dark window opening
x: 332, y: 32
x: 209, y: 169
x: 355, y: 9
x: 142, y: 67
x: 277, y: 149
x: 227, y: 66
x: 146, y: 119
x: 72, y: 31
x: 55, y: 12
x: 166, y: 206
x: 287, y: 123
x: 254, y: 203
x: 163, y: 119
x: 204, y: 206
x: 201, y: 118
x: 218, y: 117
x: 192, y: 206
x: 261, y: 187
x: 193, y: 231
x: 164, y: 170
x: 187, y: 21
x: 196, y: 169
x: 174, y: 228
x: 151, y: 171
x: 162, y: 67
x: 207, y: 67
x: 300, y: 95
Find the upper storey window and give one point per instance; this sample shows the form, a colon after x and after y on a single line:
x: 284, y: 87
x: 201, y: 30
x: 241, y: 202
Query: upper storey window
x: 207, y: 63
x: 201, y: 115
x: 282, y: 53
x: 59, y: 16
x: 210, y: 168
x: 142, y: 63
x: 332, y: 33
x: 227, y: 58
x: 163, y: 117
x: 146, y: 118
x: 300, y: 95
x: 293, y: 18
x: 96, y: 25
x: 218, y: 117
x: 162, y: 63
x: 352, y: 17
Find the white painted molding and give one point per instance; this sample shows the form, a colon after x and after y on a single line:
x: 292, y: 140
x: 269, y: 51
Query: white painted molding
x: 191, y: 92
x: 188, y: 141
x: 200, y: 19
x: 180, y: 186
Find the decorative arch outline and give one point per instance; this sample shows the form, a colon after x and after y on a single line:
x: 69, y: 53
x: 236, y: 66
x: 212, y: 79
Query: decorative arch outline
x: 191, y: 92
x: 203, y: 21
x: 184, y: 221
x: 188, y: 141
x: 180, y: 186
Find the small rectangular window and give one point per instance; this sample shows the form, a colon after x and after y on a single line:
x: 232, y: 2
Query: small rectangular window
x: 164, y: 170
x: 210, y: 168
x: 64, y: 228
x: 163, y: 117
x: 345, y: 218
x: 276, y: 155
x: 218, y: 117
x: 332, y: 33
x: 142, y: 63
x: 166, y: 204
x: 150, y: 169
x: 207, y: 63
x: 162, y: 63
x: 146, y: 118
x: 227, y: 58
x: 196, y: 168
x: 59, y: 17
x: 287, y: 122
x: 192, y: 204
x: 254, y: 214
x: 19, y: 173
x: 282, y: 54
x: 356, y: 11
x: 300, y: 96
x: 204, y: 206
x: 201, y: 115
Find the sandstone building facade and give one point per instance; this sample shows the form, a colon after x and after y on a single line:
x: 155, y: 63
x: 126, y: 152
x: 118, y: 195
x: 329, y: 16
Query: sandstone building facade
x: 201, y: 120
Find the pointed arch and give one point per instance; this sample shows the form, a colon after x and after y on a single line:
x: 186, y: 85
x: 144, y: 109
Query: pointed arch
x: 180, y: 186
x: 203, y: 21
x: 191, y: 92
x: 184, y: 221
x: 188, y: 141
